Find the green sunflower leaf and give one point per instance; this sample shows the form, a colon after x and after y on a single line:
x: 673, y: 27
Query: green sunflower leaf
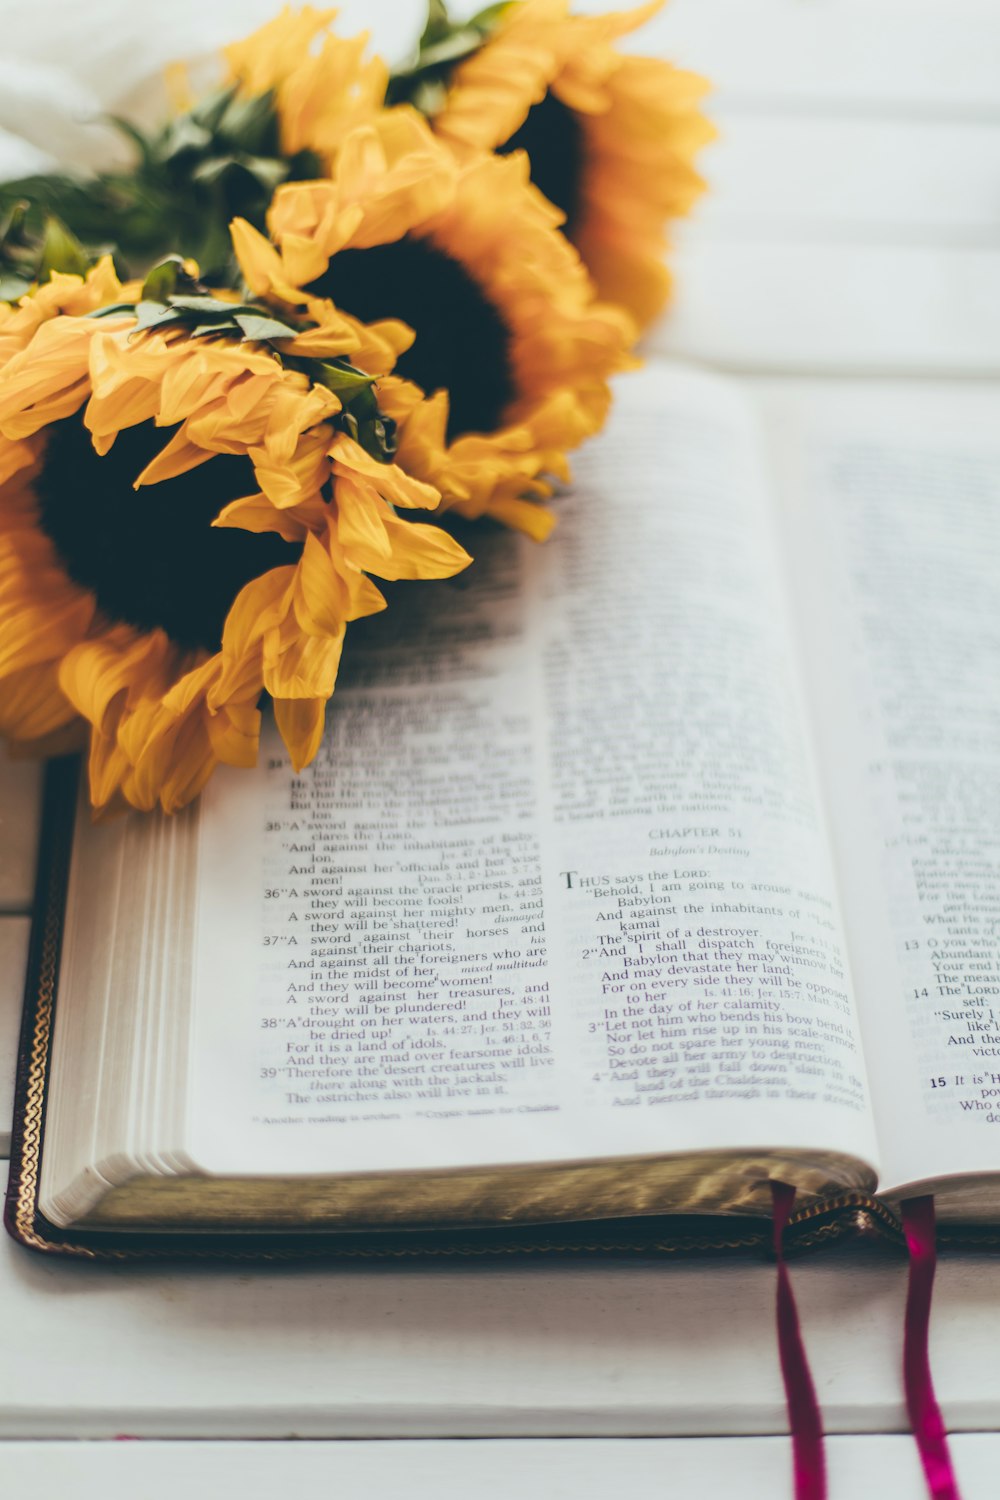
x: 132, y: 133
x: 153, y: 315
x: 269, y: 171
x: 451, y: 48
x: 438, y: 24
x: 112, y: 311
x: 161, y: 282
x: 250, y: 124
x: 216, y: 306
x: 423, y: 81
x: 183, y: 135
x: 182, y: 187
x: 261, y: 327
x: 232, y: 308
x: 429, y: 96
x: 341, y: 378
x: 61, y: 251
x: 13, y: 226
x: 385, y: 438
x: 212, y: 168
x: 12, y: 286
x: 230, y: 329
x: 210, y: 111
x: 487, y: 19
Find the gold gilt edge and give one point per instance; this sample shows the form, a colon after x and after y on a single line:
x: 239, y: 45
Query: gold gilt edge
x: 43, y: 967
x: 815, y: 1224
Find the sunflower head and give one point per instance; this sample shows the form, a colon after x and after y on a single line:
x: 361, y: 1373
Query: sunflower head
x: 501, y: 334
x: 191, y: 507
x: 611, y: 138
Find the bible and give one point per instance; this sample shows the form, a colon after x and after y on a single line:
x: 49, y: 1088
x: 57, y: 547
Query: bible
x: 636, y: 872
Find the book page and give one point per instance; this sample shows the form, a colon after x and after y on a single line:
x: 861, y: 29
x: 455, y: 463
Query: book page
x: 892, y: 509
x: 556, y: 886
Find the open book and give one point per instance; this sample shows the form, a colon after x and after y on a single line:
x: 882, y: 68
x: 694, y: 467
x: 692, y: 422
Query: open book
x: 635, y: 871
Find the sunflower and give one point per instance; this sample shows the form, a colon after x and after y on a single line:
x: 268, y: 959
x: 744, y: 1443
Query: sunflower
x: 611, y: 138
x: 507, y: 353
x: 187, y: 520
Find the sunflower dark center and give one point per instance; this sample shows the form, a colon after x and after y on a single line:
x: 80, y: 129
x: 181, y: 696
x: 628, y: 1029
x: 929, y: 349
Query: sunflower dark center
x: 150, y: 555
x: 553, y: 138
x: 462, y: 344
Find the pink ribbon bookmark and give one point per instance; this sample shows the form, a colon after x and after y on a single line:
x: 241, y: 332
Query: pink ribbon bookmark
x: 804, y: 1417
x: 926, y: 1421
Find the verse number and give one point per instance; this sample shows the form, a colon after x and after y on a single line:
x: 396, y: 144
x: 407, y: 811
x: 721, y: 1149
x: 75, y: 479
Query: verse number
x: 939, y: 1083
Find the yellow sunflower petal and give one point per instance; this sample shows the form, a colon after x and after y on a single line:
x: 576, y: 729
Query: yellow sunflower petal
x: 420, y: 551
x: 534, y: 520
x: 178, y: 456
x: 257, y: 513
x: 258, y: 608
x: 32, y: 705
x: 305, y: 669
x: 300, y: 723
x: 388, y: 480
x: 121, y: 660
x: 234, y: 734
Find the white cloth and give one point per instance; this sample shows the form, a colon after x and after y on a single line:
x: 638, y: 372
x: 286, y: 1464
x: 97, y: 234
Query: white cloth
x: 65, y: 65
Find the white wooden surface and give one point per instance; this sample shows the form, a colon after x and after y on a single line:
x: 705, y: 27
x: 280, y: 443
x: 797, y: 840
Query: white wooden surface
x: 601, y: 1350
x: 854, y: 226
x: 681, y: 1469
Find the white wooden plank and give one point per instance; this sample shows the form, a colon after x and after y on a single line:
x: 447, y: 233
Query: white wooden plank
x: 20, y: 810
x: 860, y: 1468
x: 870, y: 181
x: 833, y: 308
x: 598, y: 1350
x: 880, y: 56
x: 14, y: 934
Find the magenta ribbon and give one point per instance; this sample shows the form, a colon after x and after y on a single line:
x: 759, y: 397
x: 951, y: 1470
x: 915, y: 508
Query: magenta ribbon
x: 804, y: 1417
x: 926, y: 1421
